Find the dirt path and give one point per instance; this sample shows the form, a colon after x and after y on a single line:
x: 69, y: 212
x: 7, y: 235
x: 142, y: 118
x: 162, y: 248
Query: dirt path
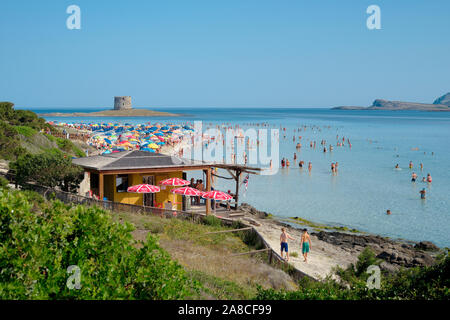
x: 321, y: 258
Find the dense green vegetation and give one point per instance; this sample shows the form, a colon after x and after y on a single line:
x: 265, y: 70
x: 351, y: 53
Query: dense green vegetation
x: 132, y: 256
x: 21, y: 117
x: 41, y: 239
x: 52, y: 169
x: 20, y: 133
x: 409, y: 284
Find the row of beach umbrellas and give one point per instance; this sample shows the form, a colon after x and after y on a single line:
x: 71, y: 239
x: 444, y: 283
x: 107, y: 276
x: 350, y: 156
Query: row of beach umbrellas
x: 184, y: 190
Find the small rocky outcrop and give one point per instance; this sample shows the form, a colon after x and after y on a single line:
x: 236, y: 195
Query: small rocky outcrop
x: 445, y: 99
x: 427, y: 246
x: 246, y: 208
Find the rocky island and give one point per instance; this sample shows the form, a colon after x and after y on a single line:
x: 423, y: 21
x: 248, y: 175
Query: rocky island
x: 440, y: 104
x: 122, y: 108
x: 113, y: 113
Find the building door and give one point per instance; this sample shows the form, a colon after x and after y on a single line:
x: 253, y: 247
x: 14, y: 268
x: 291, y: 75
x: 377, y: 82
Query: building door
x: 149, y: 198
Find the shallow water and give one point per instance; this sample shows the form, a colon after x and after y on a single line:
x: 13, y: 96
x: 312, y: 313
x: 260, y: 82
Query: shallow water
x: 366, y: 184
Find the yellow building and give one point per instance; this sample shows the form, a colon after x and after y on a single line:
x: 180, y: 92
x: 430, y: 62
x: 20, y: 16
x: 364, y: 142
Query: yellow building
x: 109, y: 176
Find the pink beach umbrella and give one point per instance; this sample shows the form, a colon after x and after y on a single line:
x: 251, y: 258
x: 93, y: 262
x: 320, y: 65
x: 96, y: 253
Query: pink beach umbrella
x: 216, y: 195
x: 187, y: 191
x: 175, y: 182
x: 143, y: 188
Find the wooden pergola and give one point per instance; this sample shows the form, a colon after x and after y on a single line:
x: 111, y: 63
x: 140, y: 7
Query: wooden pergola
x: 238, y: 170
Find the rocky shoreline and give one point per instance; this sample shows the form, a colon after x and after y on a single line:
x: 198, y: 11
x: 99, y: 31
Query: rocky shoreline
x: 394, y: 253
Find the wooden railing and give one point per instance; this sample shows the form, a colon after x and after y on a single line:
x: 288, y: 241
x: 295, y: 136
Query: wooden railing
x: 68, y: 197
x: 72, y: 136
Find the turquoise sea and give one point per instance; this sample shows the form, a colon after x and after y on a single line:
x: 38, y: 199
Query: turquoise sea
x: 366, y: 184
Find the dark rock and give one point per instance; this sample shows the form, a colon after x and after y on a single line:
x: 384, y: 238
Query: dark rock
x: 245, y: 207
x: 391, y: 268
x: 395, y: 253
x: 384, y: 255
x: 427, y: 246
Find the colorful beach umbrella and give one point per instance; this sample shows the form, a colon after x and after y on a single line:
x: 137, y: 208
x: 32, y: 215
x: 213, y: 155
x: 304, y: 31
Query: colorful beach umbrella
x: 187, y: 191
x: 176, y: 182
x: 216, y: 195
x: 143, y: 188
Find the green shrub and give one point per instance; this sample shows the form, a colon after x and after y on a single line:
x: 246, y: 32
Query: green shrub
x: 3, y: 182
x: 154, y: 227
x: 70, y: 147
x: 25, y: 131
x: 212, y: 221
x: 49, y: 169
x: 39, y: 243
x: 9, y: 141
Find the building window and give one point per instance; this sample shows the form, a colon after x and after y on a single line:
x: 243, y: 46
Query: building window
x: 121, y: 183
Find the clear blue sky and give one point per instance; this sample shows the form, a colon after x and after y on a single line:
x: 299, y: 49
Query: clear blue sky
x: 224, y: 53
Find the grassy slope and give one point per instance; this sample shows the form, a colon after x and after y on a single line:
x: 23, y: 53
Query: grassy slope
x: 207, y: 259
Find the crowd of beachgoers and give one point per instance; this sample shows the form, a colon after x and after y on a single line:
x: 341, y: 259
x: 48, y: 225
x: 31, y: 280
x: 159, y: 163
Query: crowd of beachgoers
x: 114, y: 137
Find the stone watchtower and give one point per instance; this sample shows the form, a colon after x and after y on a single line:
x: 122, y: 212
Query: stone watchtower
x: 122, y: 103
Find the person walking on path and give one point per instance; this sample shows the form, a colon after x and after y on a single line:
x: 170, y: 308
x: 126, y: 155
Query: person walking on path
x: 305, y: 244
x: 284, y: 243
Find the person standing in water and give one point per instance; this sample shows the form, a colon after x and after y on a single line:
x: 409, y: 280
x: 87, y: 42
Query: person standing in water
x: 305, y: 244
x: 309, y: 166
x: 413, y: 177
x: 429, y: 178
x: 422, y: 193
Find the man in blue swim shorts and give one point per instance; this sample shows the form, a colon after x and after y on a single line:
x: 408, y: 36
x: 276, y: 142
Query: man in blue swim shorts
x: 284, y: 244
